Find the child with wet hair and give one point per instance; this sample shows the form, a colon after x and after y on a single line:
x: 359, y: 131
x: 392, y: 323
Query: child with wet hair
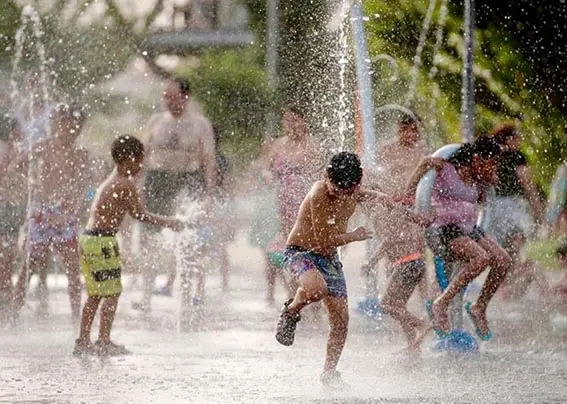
x: 115, y: 198
x: 311, y: 254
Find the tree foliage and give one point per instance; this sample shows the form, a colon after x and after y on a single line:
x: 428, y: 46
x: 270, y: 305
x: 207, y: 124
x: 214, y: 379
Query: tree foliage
x: 506, y: 85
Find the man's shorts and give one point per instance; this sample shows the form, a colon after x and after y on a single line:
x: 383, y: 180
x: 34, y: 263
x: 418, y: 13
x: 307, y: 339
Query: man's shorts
x: 100, y: 263
x: 298, y: 261
x: 439, y: 239
x: 50, y: 225
x: 410, y: 271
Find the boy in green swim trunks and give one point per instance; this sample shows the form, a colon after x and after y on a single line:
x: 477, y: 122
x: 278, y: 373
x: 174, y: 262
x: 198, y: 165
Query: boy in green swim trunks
x: 116, y: 197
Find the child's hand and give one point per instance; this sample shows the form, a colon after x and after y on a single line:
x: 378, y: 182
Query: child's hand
x: 361, y: 234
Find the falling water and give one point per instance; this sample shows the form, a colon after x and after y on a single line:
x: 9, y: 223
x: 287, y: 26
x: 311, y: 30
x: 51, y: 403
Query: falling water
x: 188, y: 244
x: 343, y: 110
x: 435, y: 92
x: 33, y: 132
x: 419, y: 51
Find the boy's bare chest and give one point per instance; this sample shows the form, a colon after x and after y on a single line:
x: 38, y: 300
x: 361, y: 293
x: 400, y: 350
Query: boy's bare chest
x: 338, y: 213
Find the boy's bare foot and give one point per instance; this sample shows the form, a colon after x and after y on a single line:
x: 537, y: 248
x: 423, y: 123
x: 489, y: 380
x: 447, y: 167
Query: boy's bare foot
x: 110, y: 349
x: 440, y: 318
x: 83, y: 348
x: 331, y: 379
x: 420, y: 334
x: 478, y: 317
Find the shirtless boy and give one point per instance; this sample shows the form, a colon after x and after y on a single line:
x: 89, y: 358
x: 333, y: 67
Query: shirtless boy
x: 311, y: 254
x: 100, y: 255
x: 402, y: 242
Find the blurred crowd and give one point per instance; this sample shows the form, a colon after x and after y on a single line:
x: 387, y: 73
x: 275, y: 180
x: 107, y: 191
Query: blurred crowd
x: 48, y: 181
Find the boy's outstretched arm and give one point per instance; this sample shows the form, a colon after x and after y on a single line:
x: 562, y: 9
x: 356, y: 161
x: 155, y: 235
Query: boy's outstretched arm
x: 135, y: 209
x: 399, y: 205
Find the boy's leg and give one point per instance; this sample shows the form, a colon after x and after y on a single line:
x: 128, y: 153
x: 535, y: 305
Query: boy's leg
x: 311, y: 288
x: 499, y: 262
x: 394, y: 304
x: 104, y: 345
x: 37, y: 260
x: 475, y: 260
x: 337, y: 307
x: 70, y: 259
x: 107, y: 312
x: 89, y: 312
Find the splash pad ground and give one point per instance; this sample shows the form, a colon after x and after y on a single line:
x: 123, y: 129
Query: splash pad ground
x: 235, y: 358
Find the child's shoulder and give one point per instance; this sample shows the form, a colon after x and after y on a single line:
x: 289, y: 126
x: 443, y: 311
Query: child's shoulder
x: 117, y: 184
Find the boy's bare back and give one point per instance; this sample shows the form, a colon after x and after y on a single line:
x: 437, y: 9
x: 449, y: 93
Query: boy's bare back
x: 115, y: 198
x: 118, y: 196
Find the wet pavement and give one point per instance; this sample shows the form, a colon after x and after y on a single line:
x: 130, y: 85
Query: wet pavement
x: 234, y: 357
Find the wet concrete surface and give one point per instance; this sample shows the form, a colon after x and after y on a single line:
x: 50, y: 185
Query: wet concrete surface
x: 234, y: 357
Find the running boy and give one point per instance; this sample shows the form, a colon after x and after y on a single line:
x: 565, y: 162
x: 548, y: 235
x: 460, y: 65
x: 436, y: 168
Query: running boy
x: 311, y: 254
x: 100, y: 256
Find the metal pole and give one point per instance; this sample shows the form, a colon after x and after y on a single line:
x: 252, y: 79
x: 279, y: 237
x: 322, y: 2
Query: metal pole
x: 468, y: 101
x: 364, y: 84
x: 272, y: 42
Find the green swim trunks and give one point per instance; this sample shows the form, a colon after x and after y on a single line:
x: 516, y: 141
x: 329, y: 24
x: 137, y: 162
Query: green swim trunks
x: 100, y: 263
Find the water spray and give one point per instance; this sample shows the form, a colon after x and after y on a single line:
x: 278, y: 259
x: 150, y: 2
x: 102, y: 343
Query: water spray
x: 30, y: 16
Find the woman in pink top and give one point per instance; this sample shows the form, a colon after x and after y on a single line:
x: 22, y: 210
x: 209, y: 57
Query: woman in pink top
x: 457, y: 192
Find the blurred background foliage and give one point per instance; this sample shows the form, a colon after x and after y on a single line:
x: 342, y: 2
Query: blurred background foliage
x: 520, y: 64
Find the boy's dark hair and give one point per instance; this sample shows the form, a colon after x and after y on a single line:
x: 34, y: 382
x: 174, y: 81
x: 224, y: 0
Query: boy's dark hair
x: 184, y: 85
x: 483, y: 147
x: 126, y: 147
x: 503, y: 132
x: 344, y: 170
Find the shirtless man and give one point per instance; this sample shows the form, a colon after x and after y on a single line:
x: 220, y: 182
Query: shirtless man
x: 311, y: 254
x: 402, y: 242
x: 181, y: 156
x: 58, y: 203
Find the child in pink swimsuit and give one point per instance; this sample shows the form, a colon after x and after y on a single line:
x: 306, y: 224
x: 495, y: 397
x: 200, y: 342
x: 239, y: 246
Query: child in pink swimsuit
x: 453, y: 235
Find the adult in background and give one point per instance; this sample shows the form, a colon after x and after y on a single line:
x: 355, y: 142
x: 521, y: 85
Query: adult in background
x: 59, y: 202
x: 401, y: 240
x: 181, y: 159
x: 515, y: 210
x: 12, y: 208
x: 292, y: 162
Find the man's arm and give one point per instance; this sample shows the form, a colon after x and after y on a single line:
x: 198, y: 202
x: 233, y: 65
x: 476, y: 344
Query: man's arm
x: 209, y: 156
x: 400, y: 207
